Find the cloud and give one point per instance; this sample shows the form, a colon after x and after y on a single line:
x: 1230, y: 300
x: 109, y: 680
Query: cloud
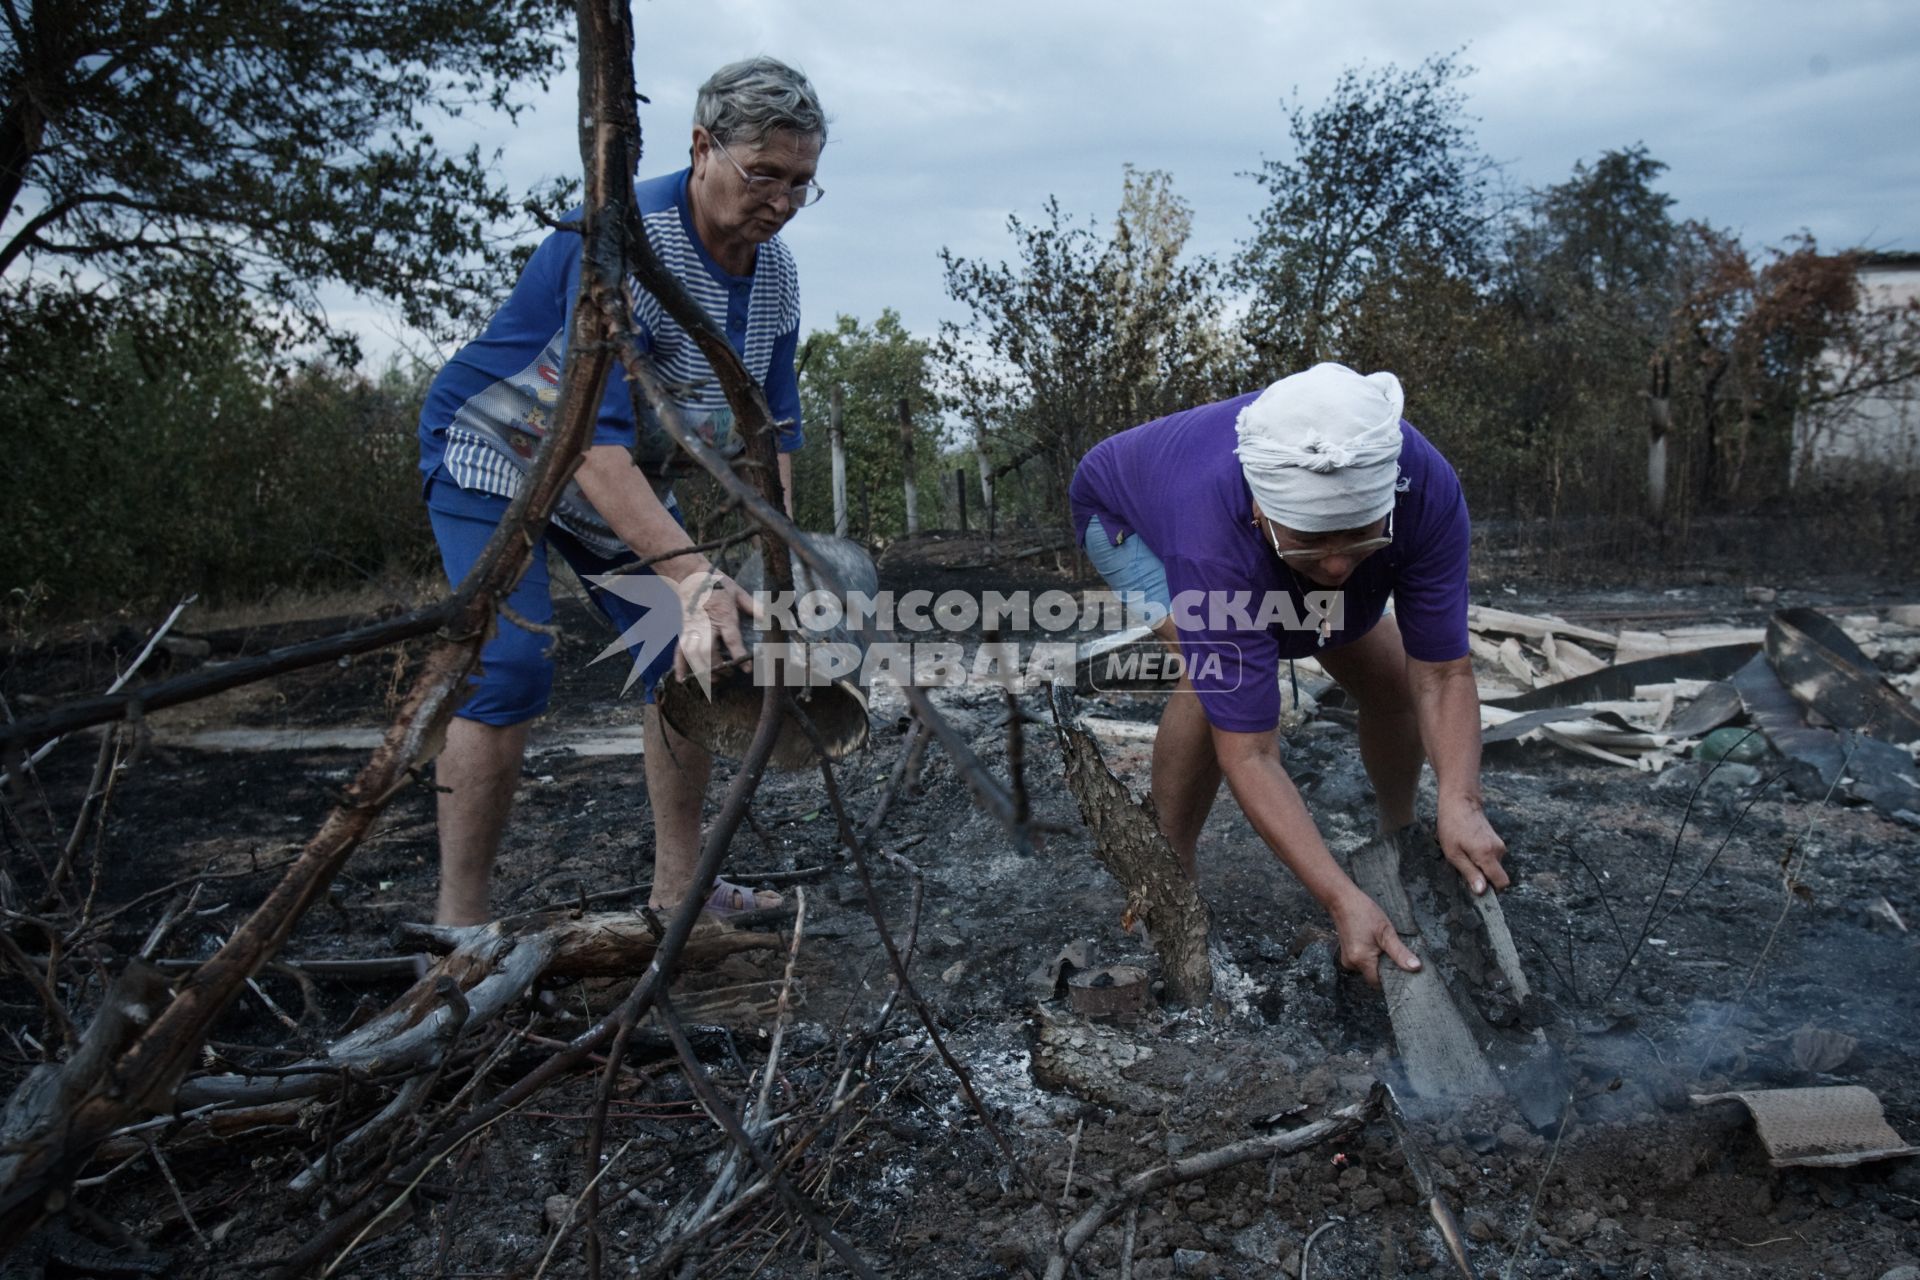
x: 1772, y: 116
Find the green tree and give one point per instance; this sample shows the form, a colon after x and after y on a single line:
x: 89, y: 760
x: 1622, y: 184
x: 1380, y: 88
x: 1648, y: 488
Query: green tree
x: 1454, y: 350
x: 260, y: 147
x: 1587, y: 281
x: 1084, y: 335
x: 1606, y: 230
x: 1386, y: 171
x: 875, y: 368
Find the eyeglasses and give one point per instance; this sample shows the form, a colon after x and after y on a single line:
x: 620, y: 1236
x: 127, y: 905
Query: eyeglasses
x: 767, y: 190
x: 1314, y: 555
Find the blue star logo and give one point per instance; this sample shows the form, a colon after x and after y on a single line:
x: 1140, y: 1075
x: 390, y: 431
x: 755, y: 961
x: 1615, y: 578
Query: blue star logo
x: 654, y: 632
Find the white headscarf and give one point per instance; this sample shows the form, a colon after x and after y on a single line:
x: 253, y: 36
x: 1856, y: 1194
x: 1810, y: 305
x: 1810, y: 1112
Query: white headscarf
x: 1321, y: 449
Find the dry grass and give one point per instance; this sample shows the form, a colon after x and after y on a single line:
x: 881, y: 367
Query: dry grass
x: 392, y: 589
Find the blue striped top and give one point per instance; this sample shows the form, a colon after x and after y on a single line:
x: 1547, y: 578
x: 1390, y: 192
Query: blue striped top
x: 489, y: 406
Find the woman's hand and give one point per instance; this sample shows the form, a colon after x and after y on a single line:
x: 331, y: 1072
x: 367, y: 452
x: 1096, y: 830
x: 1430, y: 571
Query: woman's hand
x: 710, y: 607
x: 1365, y: 935
x: 1472, y: 846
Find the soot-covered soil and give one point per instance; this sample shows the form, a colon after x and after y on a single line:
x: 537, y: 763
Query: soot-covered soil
x: 1764, y: 913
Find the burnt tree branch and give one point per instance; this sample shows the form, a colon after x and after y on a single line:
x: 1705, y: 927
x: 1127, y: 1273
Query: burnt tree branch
x: 54, y: 1142
x: 130, y: 704
x: 717, y: 1107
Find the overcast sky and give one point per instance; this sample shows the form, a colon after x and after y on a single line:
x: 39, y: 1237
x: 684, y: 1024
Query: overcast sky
x: 1773, y: 115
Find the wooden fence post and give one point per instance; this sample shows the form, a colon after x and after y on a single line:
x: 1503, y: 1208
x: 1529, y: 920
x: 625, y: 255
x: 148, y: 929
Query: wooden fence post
x: 906, y: 468
x: 836, y: 432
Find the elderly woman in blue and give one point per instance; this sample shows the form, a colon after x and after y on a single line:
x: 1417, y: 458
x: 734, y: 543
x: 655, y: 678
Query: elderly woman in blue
x: 758, y: 129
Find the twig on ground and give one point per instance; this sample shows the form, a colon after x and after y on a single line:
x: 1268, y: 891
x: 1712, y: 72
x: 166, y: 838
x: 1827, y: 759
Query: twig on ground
x: 405, y: 1191
x: 16, y: 787
x: 1719, y: 849
x: 799, y: 875
x: 1533, y: 1203
x: 1599, y: 887
x: 1306, y: 1249
x: 444, y: 1245
x: 412, y: 1095
x: 901, y: 779
x: 173, y: 1185
x: 1560, y: 975
x: 796, y: 1148
x: 195, y: 685
x: 756, y: 1121
x: 853, y: 841
x: 596, y: 1138
x: 1673, y: 858
x: 329, y: 1158
x: 183, y: 882
x: 563, y: 1229
x: 260, y: 993
x: 881, y: 1019
x: 119, y: 683
x: 102, y: 1179
x: 42, y: 986
x: 760, y: 832
x: 1073, y: 1152
x: 27, y: 843
x: 1789, y: 882
x: 716, y: 1106
x: 782, y: 1012
x: 90, y: 802
x: 1437, y: 1207
x: 1108, y: 1207
x: 157, y: 936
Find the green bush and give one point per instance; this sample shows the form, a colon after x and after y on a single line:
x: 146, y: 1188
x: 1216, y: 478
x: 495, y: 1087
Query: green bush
x: 150, y: 454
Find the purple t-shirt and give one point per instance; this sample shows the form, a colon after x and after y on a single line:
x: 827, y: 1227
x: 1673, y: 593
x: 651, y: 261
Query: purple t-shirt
x: 1176, y: 484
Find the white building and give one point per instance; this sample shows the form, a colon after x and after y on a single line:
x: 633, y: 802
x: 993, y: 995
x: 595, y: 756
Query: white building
x: 1881, y: 430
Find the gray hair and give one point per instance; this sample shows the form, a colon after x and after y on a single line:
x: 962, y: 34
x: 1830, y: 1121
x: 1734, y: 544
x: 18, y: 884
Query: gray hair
x: 746, y: 101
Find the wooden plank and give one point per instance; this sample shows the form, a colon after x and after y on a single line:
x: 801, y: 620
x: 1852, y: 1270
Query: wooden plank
x: 1514, y: 659
x: 1505, y: 622
x: 1441, y: 1059
x: 1638, y: 646
x: 1567, y: 659
x: 1484, y: 649
x: 1500, y: 941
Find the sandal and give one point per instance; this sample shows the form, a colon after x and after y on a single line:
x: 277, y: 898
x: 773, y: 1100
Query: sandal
x: 737, y: 903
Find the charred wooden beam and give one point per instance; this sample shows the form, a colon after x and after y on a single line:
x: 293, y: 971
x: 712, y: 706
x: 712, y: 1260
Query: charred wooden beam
x: 1128, y: 842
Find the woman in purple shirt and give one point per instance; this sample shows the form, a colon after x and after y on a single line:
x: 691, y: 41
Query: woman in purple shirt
x: 1276, y: 526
